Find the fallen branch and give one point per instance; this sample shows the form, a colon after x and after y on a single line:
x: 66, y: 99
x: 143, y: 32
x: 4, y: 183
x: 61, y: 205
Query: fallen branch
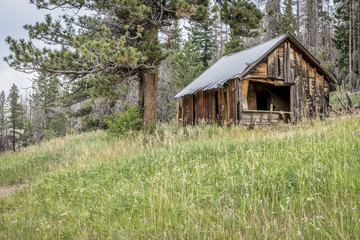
x: 349, y: 100
x: 341, y: 102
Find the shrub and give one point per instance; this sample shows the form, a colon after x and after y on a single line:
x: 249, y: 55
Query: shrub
x: 122, y: 124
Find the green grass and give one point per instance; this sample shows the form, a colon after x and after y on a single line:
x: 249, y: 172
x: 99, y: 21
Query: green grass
x: 203, y: 182
x: 355, y: 99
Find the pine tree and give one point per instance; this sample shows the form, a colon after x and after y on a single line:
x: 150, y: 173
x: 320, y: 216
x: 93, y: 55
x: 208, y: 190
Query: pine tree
x: 235, y: 44
x: 346, y: 40
x: 2, y: 121
x: 15, y: 117
x: 45, y: 97
x: 288, y: 22
x: 28, y: 137
x: 243, y: 17
x: 186, y: 65
x: 272, y: 18
x: 201, y: 37
x: 175, y: 38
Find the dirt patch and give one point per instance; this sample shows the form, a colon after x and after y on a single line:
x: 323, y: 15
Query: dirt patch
x: 6, y: 191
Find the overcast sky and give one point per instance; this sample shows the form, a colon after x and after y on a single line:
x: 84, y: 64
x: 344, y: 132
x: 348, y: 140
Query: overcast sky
x: 14, y: 14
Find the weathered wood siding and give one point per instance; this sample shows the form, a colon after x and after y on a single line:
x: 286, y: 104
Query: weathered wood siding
x: 296, y: 86
x: 217, y: 105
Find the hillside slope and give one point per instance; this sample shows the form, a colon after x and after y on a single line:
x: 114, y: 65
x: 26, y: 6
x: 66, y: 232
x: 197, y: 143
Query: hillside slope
x: 200, y: 182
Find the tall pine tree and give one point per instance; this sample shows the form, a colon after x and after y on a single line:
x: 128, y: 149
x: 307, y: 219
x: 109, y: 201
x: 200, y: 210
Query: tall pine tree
x: 200, y: 35
x: 243, y: 17
x: 288, y: 21
x: 186, y: 65
x: 46, y: 90
x: 347, y: 41
x: 15, y: 117
x: 2, y: 121
x: 117, y: 43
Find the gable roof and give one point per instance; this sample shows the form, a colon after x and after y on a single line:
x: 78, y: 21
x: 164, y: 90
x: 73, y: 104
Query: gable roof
x: 240, y: 63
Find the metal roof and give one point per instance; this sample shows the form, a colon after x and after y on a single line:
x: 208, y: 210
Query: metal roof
x: 237, y: 64
x: 228, y: 67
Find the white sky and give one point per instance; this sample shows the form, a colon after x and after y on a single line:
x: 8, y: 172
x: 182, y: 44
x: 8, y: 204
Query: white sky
x: 14, y: 14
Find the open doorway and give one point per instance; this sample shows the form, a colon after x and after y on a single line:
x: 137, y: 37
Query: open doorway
x: 266, y: 97
x: 262, y: 100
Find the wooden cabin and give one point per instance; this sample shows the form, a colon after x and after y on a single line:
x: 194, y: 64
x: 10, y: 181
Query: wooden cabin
x: 276, y: 81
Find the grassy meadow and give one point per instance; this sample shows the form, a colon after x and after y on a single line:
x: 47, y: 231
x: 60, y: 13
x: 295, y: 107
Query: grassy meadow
x: 205, y: 182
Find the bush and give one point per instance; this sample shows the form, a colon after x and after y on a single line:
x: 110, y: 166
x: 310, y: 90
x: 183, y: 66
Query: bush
x: 122, y: 124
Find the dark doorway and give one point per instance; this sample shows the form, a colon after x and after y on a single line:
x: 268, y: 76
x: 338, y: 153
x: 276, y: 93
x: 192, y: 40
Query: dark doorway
x: 194, y: 110
x: 263, y: 100
x: 217, y: 107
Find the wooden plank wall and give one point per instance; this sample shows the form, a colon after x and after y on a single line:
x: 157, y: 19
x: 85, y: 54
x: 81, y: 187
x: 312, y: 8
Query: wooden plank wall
x: 310, y: 92
x: 212, y: 106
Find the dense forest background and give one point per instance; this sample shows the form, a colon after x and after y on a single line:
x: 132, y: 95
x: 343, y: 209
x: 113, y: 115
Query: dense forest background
x: 143, y: 52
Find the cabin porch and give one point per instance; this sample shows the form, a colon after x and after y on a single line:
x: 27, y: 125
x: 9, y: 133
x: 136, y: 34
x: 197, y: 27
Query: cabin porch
x: 265, y: 102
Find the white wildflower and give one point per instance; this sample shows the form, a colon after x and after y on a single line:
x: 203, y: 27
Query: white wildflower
x: 203, y: 165
x: 63, y: 214
x: 298, y: 233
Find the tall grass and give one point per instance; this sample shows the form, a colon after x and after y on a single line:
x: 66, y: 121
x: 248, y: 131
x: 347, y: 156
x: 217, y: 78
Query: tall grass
x: 201, y: 182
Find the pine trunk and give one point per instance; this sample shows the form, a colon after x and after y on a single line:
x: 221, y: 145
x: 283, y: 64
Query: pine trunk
x: 147, y: 96
x: 297, y: 19
x: 13, y: 137
x: 358, y: 47
x: 148, y: 85
x: 353, y: 84
x: 350, y: 47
